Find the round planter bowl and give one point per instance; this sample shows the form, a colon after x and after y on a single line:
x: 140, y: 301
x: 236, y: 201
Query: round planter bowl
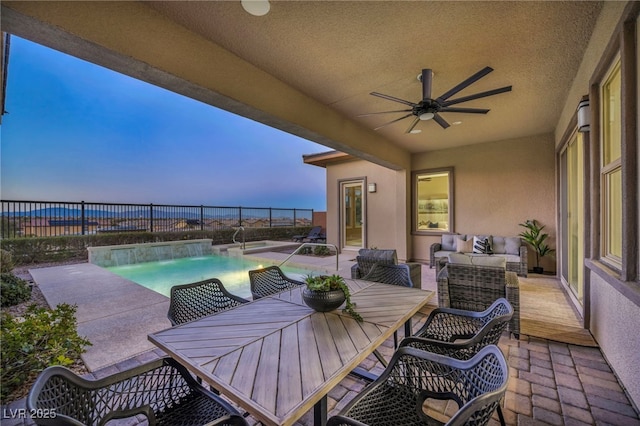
x: 323, y: 301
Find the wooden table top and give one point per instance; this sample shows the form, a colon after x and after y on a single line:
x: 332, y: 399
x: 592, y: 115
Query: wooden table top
x: 276, y: 357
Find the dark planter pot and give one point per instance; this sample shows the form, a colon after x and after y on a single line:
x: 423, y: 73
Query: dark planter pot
x: 323, y: 301
x: 538, y: 269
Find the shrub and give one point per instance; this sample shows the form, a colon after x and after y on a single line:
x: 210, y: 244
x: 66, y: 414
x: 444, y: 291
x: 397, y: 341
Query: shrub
x: 40, y: 338
x: 6, y: 261
x: 321, y: 251
x: 13, y: 290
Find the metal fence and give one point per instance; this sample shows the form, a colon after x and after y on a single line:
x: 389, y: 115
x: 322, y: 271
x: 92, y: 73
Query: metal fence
x: 54, y: 218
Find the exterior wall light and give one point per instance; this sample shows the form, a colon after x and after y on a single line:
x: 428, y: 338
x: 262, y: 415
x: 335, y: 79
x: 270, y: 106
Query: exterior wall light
x: 372, y: 187
x: 584, y: 115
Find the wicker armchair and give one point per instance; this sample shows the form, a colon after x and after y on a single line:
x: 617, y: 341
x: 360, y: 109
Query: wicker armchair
x: 476, y: 288
x: 368, y: 257
x: 396, y: 397
x: 394, y: 275
x: 270, y: 280
x: 162, y: 390
x: 190, y: 302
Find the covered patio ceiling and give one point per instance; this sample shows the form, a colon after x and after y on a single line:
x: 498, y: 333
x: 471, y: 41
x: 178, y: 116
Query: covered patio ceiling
x: 325, y: 57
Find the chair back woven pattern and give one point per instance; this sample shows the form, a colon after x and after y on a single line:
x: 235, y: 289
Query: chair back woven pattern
x: 366, y: 263
x: 390, y: 274
x: 270, y: 280
x: 475, y: 288
x: 163, y: 386
x: 462, y: 334
x: 396, y: 398
x: 190, y: 302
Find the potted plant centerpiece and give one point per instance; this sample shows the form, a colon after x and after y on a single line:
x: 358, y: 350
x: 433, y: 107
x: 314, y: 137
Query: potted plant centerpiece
x: 534, y: 236
x: 326, y: 293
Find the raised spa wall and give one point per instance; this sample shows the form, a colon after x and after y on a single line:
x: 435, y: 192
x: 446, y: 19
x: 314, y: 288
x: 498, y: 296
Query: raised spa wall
x: 129, y: 254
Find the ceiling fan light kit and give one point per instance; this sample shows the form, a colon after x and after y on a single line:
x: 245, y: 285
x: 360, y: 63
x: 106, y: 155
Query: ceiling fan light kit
x: 430, y: 109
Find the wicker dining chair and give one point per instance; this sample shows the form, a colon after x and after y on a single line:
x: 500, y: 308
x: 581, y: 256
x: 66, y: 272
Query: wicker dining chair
x: 413, y: 376
x: 388, y: 273
x: 162, y: 390
x: 190, y: 302
x: 461, y: 334
x: 270, y: 280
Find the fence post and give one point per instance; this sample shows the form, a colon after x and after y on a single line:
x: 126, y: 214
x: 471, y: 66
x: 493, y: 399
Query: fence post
x: 240, y: 216
x: 151, y: 217
x: 202, y: 217
x: 82, y: 218
x: 270, y: 217
x: 294, y: 217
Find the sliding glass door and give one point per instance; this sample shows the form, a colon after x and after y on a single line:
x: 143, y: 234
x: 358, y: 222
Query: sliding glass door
x: 572, y: 215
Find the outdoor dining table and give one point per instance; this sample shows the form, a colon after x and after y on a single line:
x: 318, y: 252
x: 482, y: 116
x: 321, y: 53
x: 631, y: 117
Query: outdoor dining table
x: 277, y: 358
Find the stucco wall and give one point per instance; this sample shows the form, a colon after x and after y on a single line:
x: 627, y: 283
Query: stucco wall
x: 615, y: 321
x: 497, y: 185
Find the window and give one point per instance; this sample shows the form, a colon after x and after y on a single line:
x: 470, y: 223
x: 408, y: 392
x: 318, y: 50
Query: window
x: 433, y: 201
x: 611, y: 167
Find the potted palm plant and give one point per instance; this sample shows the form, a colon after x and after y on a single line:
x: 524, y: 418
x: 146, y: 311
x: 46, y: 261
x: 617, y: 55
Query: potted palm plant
x: 536, y: 238
x: 326, y: 293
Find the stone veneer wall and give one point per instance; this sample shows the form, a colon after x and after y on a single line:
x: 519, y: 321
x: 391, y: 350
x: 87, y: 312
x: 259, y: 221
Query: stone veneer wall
x: 128, y: 254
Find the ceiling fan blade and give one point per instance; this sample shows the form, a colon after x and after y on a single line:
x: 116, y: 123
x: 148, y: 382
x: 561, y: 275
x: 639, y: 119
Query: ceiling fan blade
x: 415, y: 121
x: 477, y: 76
x: 391, y: 98
x: 466, y: 110
x: 383, y: 112
x: 427, y: 78
x: 477, y: 96
x: 393, y: 121
x: 441, y: 121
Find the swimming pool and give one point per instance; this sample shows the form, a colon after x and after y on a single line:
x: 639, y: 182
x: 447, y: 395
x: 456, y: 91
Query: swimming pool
x: 160, y: 276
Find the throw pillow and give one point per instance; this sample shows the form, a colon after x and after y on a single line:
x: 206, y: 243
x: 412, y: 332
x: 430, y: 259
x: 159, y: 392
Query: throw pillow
x: 464, y: 246
x: 481, y: 245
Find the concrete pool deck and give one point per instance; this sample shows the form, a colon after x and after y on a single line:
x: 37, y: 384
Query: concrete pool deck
x: 116, y: 314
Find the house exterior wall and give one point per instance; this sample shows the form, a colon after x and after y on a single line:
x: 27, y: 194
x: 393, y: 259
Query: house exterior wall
x: 385, y: 213
x: 613, y: 307
x: 497, y: 185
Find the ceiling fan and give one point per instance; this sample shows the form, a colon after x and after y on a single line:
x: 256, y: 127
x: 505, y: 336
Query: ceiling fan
x: 429, y: 108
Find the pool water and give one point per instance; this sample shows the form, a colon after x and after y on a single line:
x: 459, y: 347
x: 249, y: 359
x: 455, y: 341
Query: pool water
x: 232, y: 271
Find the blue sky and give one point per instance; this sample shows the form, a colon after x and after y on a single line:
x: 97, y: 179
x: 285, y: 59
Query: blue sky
x: 76, y: 131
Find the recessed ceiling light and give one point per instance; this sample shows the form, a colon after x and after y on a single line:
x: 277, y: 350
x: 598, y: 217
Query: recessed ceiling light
x: 455, y: 123
x: 256, y: 7
x: 415, y: 131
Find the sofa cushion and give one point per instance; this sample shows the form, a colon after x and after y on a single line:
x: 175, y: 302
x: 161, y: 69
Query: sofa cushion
x: 449, y: 242
x: 464, y: 246
x: 459, y: 258
x: 498, y: 245
x: 512, y: 245
x: 498, y: 261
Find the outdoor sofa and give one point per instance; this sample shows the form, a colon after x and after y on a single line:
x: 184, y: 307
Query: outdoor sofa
x: 512, y: 249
